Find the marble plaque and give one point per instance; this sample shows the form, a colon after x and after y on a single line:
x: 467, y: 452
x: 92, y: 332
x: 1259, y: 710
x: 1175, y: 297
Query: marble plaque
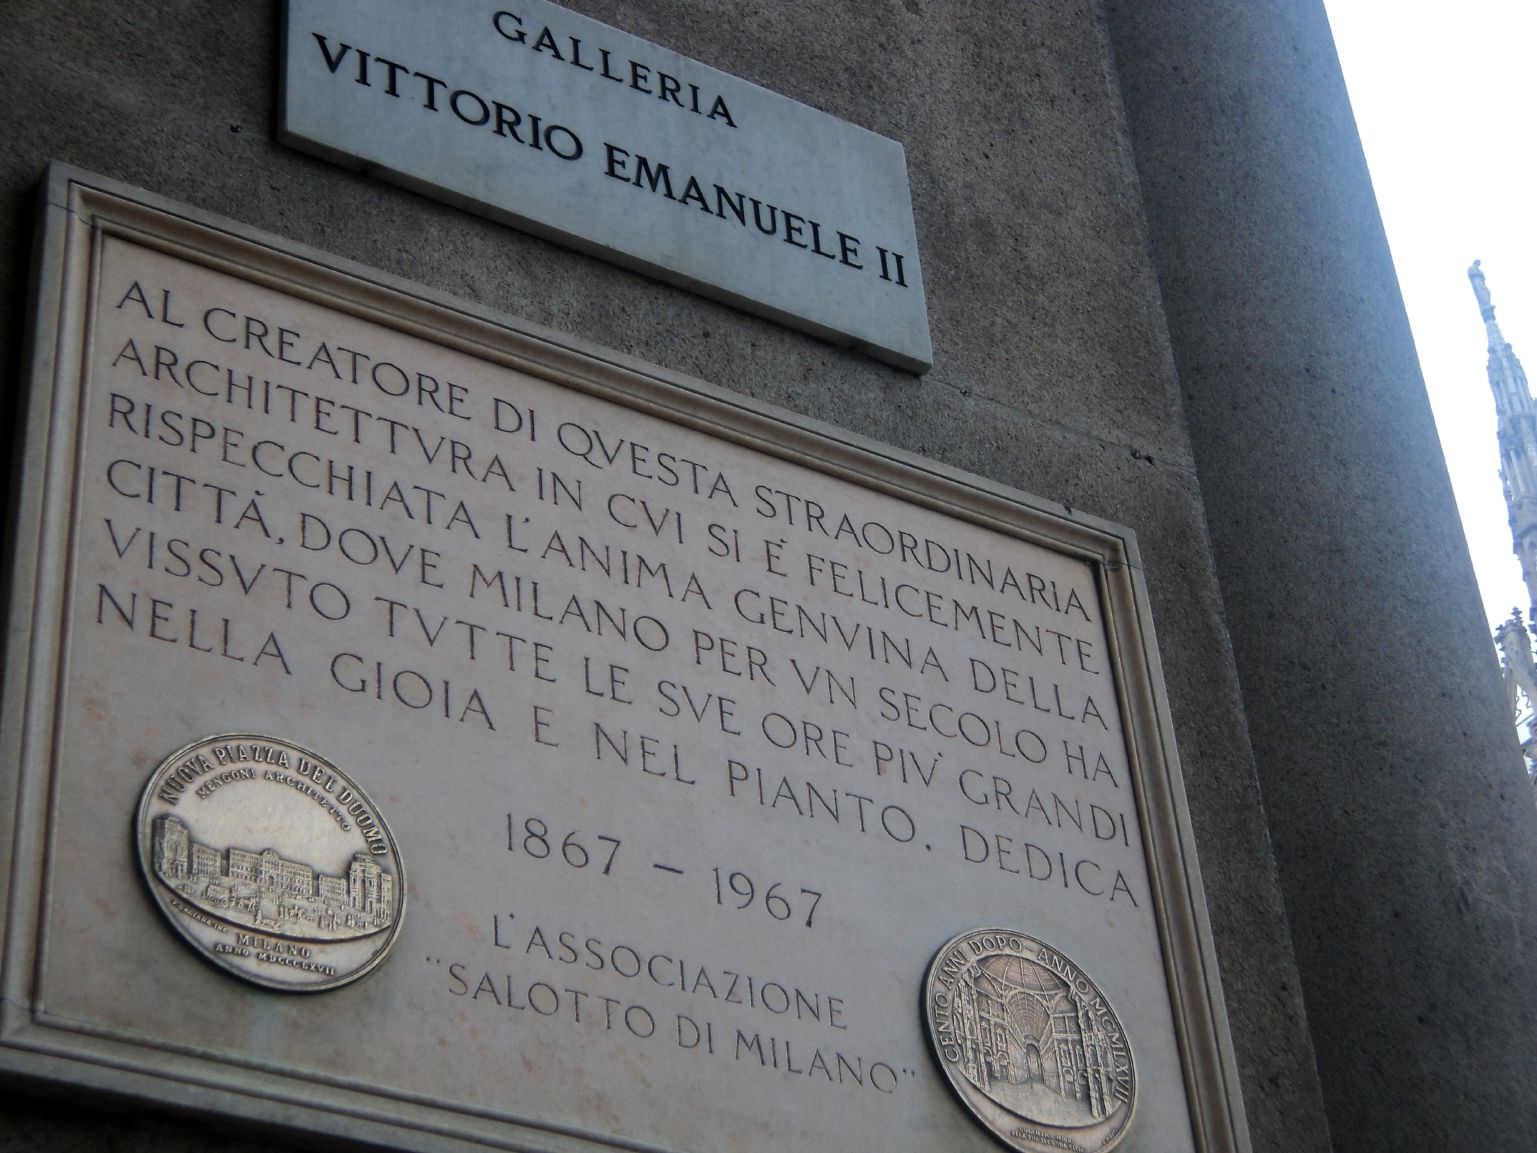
x: 581, y: 132
x: 701, y: 727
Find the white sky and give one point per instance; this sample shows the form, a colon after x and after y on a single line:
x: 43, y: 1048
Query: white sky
x: 1445, y: 97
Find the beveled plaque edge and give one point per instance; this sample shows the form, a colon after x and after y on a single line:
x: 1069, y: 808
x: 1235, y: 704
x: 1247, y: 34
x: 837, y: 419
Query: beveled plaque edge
x: 78, y: 208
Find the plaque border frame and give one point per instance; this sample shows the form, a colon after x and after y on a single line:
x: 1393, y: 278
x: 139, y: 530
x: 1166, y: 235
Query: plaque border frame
x: 54, y: 1055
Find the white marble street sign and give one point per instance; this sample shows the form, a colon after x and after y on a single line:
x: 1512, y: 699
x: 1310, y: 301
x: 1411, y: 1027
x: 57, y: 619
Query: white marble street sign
x: 580, y: 132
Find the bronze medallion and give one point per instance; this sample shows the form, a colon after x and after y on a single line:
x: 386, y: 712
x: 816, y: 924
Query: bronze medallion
x: 1030, y: 1043
x: 271, y: 862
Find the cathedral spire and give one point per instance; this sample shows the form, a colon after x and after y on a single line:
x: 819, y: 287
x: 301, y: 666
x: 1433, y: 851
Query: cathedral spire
x: 1517, y: 431
x: 1506, y: 376
x: 1485, y: 301
x: 1518, y: 469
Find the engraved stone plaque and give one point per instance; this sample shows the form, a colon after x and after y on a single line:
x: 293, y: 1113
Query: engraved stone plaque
x: 701, y: 726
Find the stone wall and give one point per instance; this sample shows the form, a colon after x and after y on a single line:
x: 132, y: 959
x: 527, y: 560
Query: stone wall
x: 1158, y: 293
x: 1392, y: 785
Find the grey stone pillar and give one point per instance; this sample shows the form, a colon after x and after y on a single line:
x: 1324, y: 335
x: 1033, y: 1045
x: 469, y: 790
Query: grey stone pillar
x: 1404, y: 831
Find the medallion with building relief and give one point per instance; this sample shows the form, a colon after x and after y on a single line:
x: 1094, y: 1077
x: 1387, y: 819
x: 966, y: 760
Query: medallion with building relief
x: 271, y: 862
x: 1029, y: 1043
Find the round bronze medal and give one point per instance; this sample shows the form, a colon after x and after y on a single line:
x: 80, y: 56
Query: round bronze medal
x: 271, y: 862
x: 1029, y: 1043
